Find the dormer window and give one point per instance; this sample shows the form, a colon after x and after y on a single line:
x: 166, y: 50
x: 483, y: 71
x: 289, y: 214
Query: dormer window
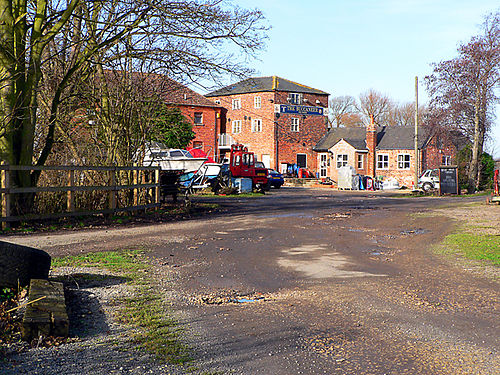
x: 295, y: 98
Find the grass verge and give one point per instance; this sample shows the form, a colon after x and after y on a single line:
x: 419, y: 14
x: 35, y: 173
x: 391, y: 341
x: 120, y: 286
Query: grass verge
x: 473, y: 246
x: 153, y: 329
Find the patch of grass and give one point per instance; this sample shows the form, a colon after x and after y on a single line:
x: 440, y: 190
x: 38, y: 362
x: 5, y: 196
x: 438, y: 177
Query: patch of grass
x: 158, y: 333
x: 155, y: 331
x: 473, y: 246
x: 125, y: 261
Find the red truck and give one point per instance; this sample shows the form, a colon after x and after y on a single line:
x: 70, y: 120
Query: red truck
x: 242, y: 165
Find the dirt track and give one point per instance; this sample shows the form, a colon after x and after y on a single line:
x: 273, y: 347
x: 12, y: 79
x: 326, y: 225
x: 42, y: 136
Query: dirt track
x: 338, y: 283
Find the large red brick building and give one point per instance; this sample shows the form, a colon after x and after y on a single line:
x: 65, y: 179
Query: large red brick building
x: 203, y: 113
x: 279, y: 120
x: 383, y: 152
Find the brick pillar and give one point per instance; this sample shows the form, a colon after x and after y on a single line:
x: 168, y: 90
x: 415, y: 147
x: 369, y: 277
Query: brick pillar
x: 371, y: 144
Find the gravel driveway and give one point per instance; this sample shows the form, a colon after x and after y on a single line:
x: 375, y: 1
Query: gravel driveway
x: 296, y: 282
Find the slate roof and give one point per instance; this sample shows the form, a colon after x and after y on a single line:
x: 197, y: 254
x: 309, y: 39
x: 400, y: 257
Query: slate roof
x: 262, y: 84
x: 388, y: 138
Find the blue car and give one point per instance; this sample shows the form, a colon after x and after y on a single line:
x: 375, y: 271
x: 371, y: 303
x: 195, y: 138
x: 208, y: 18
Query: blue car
x: 275, y: 179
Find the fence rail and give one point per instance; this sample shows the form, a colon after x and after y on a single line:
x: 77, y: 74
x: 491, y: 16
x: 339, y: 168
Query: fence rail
x: 7, y: 190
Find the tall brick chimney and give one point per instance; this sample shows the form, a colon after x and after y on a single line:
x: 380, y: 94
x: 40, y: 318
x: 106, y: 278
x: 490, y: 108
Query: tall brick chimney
x: 371, y: 144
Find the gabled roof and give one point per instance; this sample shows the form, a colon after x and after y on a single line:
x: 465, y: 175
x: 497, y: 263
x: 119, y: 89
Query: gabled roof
x: 388, y: 138
x: 356, y: 137
x: 263, y: 84
x: 173, y: 92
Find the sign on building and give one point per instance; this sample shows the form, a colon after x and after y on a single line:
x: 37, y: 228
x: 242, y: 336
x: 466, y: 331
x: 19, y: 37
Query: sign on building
x: 299, y: 109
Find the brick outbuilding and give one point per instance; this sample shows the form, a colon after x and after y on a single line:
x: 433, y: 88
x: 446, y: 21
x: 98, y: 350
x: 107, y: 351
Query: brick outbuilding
x: 279, y: 120
x: 382, y: 152
x: 203, y: 113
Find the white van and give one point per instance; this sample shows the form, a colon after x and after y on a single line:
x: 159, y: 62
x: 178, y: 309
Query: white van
x: 429, y: 180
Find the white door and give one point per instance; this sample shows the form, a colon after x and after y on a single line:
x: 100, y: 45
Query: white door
x: 323, y: 164
x: 266, y: 159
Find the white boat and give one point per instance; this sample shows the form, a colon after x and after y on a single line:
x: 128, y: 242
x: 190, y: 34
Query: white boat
x: 172, y: 159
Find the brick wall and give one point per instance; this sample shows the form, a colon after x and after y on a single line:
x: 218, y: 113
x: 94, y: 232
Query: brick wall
x: 205, y: 133
x: 311, y: 128
x: 405, y: 177
x: 432, y: 155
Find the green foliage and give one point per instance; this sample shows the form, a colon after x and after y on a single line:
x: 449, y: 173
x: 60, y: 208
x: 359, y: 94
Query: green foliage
x: 474, y: 246
x: 170, y: 127
x: 487, y: 168
x: 487, y: 171
x: 7, y: 294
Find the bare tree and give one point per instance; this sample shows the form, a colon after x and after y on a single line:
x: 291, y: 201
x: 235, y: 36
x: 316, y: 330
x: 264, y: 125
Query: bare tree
x: 373, y: 103
x: 53, y: 45
x: 462, y: 90
x: 340, y: 108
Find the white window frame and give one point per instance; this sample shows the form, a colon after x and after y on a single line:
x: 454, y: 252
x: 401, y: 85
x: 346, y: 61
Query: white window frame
x: 201, y: 118
x: 256, y: 125
x: 360, y: 162
x: 257, y: 102
x: 403, y: 163
x: 295, y: 124
x: 236, y: 103
x: 446, y: 160
x: 295, y: 98
x: 342, y: 160
x: 236, y: 126
x: 382, y: 164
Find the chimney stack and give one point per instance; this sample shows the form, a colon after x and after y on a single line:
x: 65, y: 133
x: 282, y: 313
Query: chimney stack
x: 371, y: 144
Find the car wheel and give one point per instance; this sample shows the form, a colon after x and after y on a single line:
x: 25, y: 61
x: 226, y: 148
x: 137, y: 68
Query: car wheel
x: 427, y: 187
x: 19, y: 264
x: 277, y: 186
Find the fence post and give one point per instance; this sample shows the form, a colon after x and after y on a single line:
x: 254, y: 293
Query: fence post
x: 71, y: 194
x: 135, y: 174
x: 158, y: 187
x: 112, y: 192
x: 5, y: 184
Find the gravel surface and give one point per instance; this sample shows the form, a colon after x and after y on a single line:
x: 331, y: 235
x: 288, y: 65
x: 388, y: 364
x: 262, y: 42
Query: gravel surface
x: 297, y: 282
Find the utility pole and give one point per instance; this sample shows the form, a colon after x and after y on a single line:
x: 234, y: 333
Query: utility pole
x: 415, y: 186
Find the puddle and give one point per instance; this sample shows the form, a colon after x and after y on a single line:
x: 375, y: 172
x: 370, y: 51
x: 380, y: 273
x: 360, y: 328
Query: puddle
x: 410, y: 232
x: 355, y: 230
x: 230, y: 297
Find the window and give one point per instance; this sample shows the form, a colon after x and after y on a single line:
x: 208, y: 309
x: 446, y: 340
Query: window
x: 257, y: 102
x: 295, y: 125
x: 197, y: 144
x: 446, y: 160
x: 256, y: 125
x: 403, y: 161
x: 236, y: 103
x: 302, y: 160
x: 198, y: 118
x: 382, y: 161
x: 342, y: 160
x: 295, y: 98
x: 361, y: 160
x: 236, y: 126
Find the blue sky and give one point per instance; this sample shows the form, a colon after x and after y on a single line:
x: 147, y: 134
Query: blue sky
x: 346, y: 47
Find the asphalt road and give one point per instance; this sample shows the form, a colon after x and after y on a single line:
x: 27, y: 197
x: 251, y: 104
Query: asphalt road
x: 316, y: 282
x: 332, y: 283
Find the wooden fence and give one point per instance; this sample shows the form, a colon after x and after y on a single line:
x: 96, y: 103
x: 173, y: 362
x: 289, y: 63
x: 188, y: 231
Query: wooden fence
x: 7, y: 190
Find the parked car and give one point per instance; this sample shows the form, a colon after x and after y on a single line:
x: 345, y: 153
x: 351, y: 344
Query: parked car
x: 275, y: 179
x: 429, y: 180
